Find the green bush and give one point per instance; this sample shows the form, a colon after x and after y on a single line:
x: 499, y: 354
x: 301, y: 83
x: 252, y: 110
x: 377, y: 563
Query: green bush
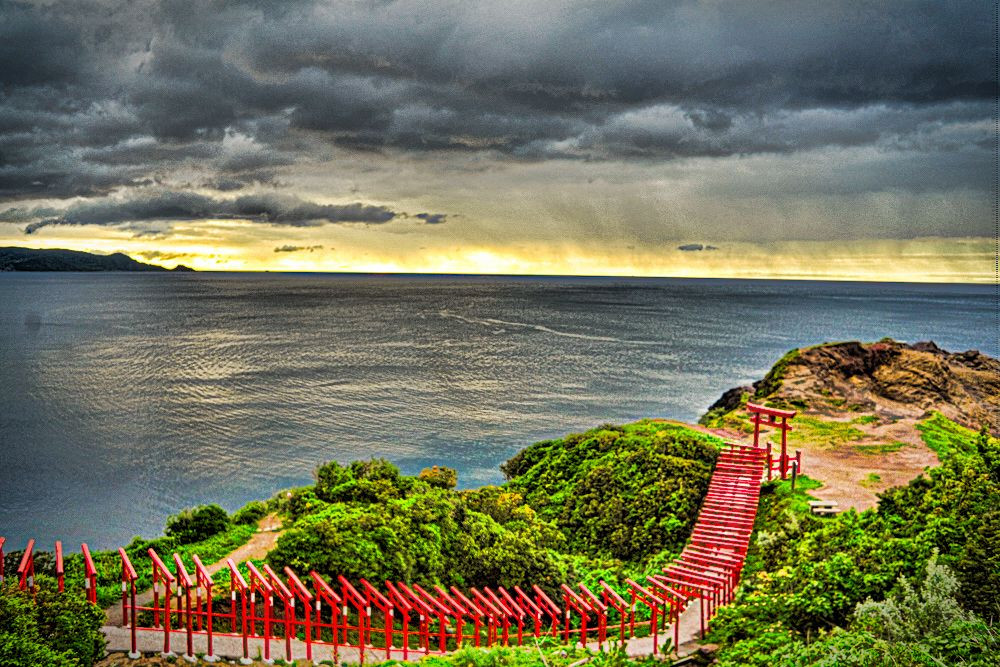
x: 626, y: 492
x: 372, y: 481
x: 250, y: 513
x: 61, y: 629
x: 440, y: 477
x: 197, y: 523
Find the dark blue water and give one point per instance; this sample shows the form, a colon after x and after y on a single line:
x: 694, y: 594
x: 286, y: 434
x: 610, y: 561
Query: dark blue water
x: 126, y: 396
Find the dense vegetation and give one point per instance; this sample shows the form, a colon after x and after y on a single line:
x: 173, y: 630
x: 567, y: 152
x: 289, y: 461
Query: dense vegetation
x: 55, y: 629
x: 585, y: 505
x: 915, y: 581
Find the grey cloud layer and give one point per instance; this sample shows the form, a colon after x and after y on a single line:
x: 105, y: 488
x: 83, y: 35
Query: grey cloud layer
x: 102, y: 95
x: 271, y: 209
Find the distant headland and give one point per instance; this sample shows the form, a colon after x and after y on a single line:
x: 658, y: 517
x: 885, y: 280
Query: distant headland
x: 30, y: 259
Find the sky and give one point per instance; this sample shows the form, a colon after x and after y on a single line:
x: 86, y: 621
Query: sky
x: 768, y: 139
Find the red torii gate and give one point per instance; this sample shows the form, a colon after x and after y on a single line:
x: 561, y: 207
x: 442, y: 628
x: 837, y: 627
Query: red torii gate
x: 778, y: 419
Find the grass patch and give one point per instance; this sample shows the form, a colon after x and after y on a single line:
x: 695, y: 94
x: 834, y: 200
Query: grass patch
x: 866, y: 419
x: 880, y: 448
x: 815, y: 431
x: 798, y: 499
x: 945, y: 437
x: 871, y: 479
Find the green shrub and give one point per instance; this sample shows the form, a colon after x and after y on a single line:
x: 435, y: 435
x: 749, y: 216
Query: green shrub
x: 440, y: 477
x: 197, y: 523
x: 54, y: 629
x: 626, y: 493
x: 250, y: 513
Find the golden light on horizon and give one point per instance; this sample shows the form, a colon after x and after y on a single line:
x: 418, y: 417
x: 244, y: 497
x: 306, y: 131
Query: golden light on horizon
x: 238, y: 246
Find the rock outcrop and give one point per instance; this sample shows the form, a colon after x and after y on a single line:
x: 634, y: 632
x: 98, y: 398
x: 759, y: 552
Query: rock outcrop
x: 892, y: 379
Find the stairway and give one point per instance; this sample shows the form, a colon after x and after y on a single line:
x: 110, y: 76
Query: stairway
x: 708, y: 569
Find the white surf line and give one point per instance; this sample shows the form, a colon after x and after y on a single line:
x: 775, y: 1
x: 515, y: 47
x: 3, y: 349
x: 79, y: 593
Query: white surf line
x: 544, y: 329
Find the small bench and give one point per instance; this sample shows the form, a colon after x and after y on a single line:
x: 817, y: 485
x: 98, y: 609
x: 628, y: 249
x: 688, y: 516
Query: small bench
x: 823, y: 507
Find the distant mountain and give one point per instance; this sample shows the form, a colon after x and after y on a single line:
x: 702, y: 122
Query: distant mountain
x: 29, y: 259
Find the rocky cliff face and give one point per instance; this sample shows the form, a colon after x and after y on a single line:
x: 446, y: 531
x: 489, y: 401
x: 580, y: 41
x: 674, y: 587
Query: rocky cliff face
x: 888, y: 378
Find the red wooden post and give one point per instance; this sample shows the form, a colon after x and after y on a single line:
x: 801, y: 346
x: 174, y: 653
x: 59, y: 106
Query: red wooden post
x: 129, y: 576
x: 516, y: 607
x: 643, y: 595
x: 439, y: 609
x: 600, y: 611
x: 325, y: 592
x: 203, y: 580
x: 550, y: 607
x: 184, y: 585
x: 2, y: 541
x: 288, y: 600
x: 306, y: 598
x: 536, y: 612
x: 237, y: 582
x: 160, y: 571
x: 89, y: 575
x: 259, y: 583
x: 459, y: 610
x: 617, y: 602
x: 60, y: 571
x: 350, y: 594
x: 400, y: 602
x: 374, y: 598
x: 471, y: 609
x: 26, y: 568
x: 423, y: 610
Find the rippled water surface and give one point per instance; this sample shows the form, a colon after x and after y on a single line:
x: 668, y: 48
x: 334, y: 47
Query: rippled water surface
x: 126, y: 396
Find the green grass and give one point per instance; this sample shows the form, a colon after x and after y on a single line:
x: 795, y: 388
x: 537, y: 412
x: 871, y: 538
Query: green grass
x: 880, y: 448
x: 799, y: 498
x: 866, y: 419
x: 871, y: 479
x: 816, y: 431
x: 945, y: 437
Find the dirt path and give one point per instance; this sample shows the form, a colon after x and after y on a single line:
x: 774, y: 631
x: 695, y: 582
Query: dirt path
x: 260, y: 543
x: 853, y: 476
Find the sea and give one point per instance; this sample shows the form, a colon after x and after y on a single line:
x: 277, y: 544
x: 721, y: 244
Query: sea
x: 126, y: 397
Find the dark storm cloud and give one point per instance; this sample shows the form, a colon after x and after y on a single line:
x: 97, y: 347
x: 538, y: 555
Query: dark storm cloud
x: 98, y: 96
x: 271, y: 209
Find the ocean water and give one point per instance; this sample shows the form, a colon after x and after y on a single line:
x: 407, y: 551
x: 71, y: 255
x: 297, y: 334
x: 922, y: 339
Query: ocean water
x: 126, y: 397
